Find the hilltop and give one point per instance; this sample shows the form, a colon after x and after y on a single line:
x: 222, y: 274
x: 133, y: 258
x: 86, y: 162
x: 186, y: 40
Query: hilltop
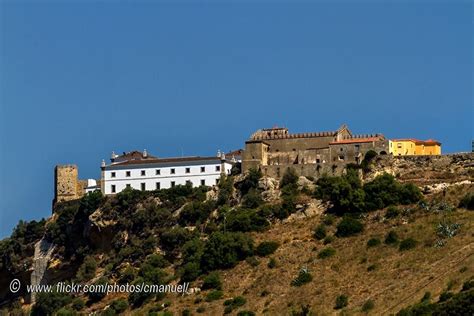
x: 391, y: 234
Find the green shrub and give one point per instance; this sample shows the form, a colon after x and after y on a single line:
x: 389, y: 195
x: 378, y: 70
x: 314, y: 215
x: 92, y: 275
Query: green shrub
x: 345, y: 193
x: 49, y: 303
x: 391, y: 238
x: 373, y: 242
x: 349, y: 226
x: 328, y: 240
x: 320, y: 232
x: 407, y: 244
x: 467, y: 201
x: 372, y: 267
x: 98, y: 295
x: 78, y: 304
x: 266, y: 248
x: 303, y: 277
x: 212, y: 281
x: 384, y: 190
x: 87, y: 269
x: 272, y: 263
x: 119, y: 305
x: 469, y: 284
x: 341, y: 301
x: 326, y: 253
x: 368, y: 305
x: 226, y: 189
x: 174, y: 238
x: 252, y: 199
x: 137, y: 299
x: 289, y: 178
x: 200, y: 309
x: 186, y: 312
x: 214, y: 295
x: 224, y: 250
x: 246, y: 220
x: 250, y: 181
x: 392, y: 212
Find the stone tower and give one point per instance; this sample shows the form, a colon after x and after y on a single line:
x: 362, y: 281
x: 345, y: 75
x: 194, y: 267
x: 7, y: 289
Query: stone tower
x: 67, y: 187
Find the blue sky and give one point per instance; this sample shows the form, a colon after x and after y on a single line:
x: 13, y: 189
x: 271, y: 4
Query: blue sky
x: 81, y: 79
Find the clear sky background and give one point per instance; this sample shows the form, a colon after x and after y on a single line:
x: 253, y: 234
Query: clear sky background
x: 81, y: 79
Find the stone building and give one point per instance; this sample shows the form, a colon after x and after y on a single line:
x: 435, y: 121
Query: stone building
x: 273, y: 150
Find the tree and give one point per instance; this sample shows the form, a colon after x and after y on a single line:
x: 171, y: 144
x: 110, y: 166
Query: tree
x: 224, y: 250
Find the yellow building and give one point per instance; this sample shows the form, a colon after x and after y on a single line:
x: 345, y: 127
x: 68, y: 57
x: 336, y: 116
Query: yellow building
x: 407, y: 147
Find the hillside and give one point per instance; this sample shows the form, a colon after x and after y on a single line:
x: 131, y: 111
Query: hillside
x: 376, y: 241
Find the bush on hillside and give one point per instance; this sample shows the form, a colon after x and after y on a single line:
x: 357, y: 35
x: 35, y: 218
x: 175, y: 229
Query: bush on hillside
x: 391, y: 238
x: 373, y: 242
x: 252, y: 199
x: 467, y: 201
x: 266, y: 248
x: 345, y: 192
x: 226, y: 189
x: 225, y: 250
x: 320, y: 232
x: 303, y: 277
x: 246, y: 220
x: 289, y: 178
x: 87, y: 269
x: 349, y: 226
x: 341, y: 301
x: 250, y: 181
x: 212, y: 281
x: 407, y: 244
x: 326, y: 253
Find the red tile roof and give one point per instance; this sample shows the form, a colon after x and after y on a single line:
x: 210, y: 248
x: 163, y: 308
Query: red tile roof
x: 417, y: 141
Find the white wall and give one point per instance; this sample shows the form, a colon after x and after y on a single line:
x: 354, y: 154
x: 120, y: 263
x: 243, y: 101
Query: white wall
x: 210, y: 175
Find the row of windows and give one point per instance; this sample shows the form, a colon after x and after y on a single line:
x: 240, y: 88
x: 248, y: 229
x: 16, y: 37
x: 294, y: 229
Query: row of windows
x: 158, y: 171
x: 113, y: 187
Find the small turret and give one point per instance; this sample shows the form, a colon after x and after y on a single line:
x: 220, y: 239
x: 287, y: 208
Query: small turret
x: 145, y: 154
x: 102, y: 164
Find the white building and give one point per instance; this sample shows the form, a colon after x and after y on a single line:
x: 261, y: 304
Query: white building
x: 142, y: 171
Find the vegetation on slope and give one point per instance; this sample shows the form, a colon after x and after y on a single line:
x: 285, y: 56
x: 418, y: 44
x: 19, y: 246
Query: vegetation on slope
x: 180, y: 234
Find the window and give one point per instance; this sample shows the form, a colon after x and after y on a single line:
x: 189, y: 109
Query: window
x: 157, y: 172
x: 128, y: 185
x: 357, y: 148
x: 172, y: 171
x: 341, y: 149
x: 127, y: 173
x: 203, y: 169
x: 203, y: 182
x: 188, y: 170
x: 112, y: 188
x: 143, y: 172
x: 217, y: 181
x: 142, y: 186
x: 218, y: 168
x: 158, y: 186
x: 188, y: 182
x: 112, y: 174
x: 173, y: 184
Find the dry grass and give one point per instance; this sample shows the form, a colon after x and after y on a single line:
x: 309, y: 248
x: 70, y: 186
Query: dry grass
x: 399, y: 278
